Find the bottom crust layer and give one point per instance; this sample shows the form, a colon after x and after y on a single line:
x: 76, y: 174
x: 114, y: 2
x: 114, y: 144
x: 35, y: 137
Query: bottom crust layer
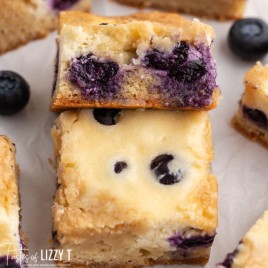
x: 249, y: 130
x: 195, y: 261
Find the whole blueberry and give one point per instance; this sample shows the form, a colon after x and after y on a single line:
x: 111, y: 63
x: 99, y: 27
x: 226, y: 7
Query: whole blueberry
x: 248, y: 38
x: 120, y: 166
x: 14, y: 93
x: 162, y: 172
x: 106, y: 117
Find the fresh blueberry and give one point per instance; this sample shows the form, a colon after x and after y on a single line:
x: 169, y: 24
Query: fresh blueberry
x: 106, y: 117
x: 14, y: 93
x: 189, y: 72
x: 120, y: 166
x: 63, y: 4
x: 92, y: 75
x: 160, y: 167
x: 248, y: 38
x: 256, y: 116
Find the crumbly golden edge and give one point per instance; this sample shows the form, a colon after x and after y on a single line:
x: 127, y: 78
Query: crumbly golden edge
x: 195, y: 261
x: 15, y: 198
x: 77, y: 18
x: 249, y: 131
x: 257, y: 76
x: 63, y: 103
x: 208, y: 15
x: 31, y: 28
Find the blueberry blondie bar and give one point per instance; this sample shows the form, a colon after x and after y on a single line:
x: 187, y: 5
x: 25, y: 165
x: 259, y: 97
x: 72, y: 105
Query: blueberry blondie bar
x: 222, y: 9
x: 24, y: 20
x: 134, y: 187
x: 147, y: 60
x: 252, y: 116
x: 11, y: 245
x: 252, y: 250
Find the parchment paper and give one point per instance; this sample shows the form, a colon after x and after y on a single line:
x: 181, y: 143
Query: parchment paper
x: 240, y: 165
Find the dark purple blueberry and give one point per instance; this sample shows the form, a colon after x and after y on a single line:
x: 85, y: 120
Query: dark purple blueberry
x: 159, y: 60
x: 228, y: 262
x: 120, y: 166
x: 160, y: 167
x: 106, y: 117
x: 256, y: 116
x: 156, y: 60
x: 179, y: 54
x: 8, y: 262
x: 183, y: 241
x: 248, y: 38
x: 189, y: 72
x: 63, y: 4
x: 162, y: 159
x: 14, y: 93
x: 92, y: 75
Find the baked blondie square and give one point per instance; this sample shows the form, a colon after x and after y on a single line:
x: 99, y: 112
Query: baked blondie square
x: 11, y: 245
x: 134, y: 187
x: 252, y: 116
x: 24, y: 20
x: 221, y: 9
x: 147, y: 60
x: 252, y: 250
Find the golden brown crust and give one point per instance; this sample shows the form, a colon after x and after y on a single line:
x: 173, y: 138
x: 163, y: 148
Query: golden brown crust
x: 249, y: 131
x: 257, y: 77
x: 235, y: 11
x: 59, y: 104
x: 77, y: 18
x: 194, y: 261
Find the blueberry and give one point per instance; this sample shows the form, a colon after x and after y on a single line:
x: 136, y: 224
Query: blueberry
x: 248, y: 38
x: 63, y: 4
x: 106, y: 117
x: 161, y: 61
x: 14, y: 93
x: 160, y: 167
x: 156, y: 60
x: 120, y: 166
x: 186, y: 242
x: 190, y: 72
x: 92, y: 75
x: 228, y: 262
x: 179, y: 54
x: 9, y: 262
x: 256, y: 116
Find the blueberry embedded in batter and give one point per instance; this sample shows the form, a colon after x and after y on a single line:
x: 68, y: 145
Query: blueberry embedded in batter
x: 107, y: 117
x: 63, y: 4
x: 161, y: 165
